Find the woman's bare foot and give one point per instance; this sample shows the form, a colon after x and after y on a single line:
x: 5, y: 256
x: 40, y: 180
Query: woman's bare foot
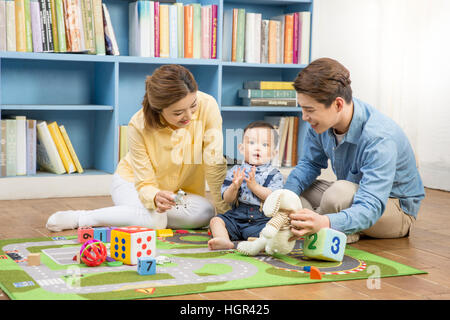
x: 220, y: 243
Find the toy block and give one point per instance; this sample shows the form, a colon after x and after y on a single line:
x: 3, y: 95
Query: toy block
x: 34, y: 259
x: 85, y: 234
x: 146, y: 266
x: 327, y: 244
x: 164, y: 233
x: 101, y: 234
x: 315, y: 274
x: 130, y: 243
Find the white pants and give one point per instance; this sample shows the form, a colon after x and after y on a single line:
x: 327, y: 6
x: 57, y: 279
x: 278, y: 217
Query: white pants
x: 128, y: 210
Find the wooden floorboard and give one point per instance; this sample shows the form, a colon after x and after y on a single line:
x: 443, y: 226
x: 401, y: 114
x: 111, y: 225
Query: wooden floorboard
x: 427, y: 248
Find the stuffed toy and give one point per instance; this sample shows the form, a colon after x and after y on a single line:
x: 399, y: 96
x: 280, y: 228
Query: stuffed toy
x: 274, y: 238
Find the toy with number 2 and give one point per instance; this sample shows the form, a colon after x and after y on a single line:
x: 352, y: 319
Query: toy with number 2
x: 93, y: 253
x: 327, y: 244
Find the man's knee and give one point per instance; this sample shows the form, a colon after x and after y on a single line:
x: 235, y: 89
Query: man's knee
x: 338, y: 196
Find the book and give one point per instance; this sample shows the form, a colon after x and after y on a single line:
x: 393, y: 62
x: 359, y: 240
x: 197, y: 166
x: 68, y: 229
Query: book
x: 240, y: 36
x: 197, y: 27
x: 277, y: 122
x: 54, y: 26
x: 249, y: 44
x: 36, y: 26
x: 274, y: 27
x: 71, y: 149
x: 254, y: 93
x: 11, y: 147
x: 272, y: 85
x: 304, y: 39
x: 295, y: 142
x: 156, y: 28
x: 111, y: 46
x: 88, y: 25
x: 173, y: 31
x: 227, y: 36
x: 2, y: 25
x: 164, y: 31
x: 46, y: 24
x: 47, y: 155
x: 280, y: 38
x: 2, y: 148
x: 264, y: 41
x: 266, y: 102
x: 31, y: 147
x: 74, y: 26
x: 21, y: 36
x: 180, y: 29
x: 295, y: 36
x: 288, y: 38
x: 98, y: 27
x: 206, y: 32
x: 188, y: 31
x: 290, y: 139
x: 214, y: 31
x: 10, y: 26
x: 64, y: 153
x: 134, y: 34
x: 60, y: 25
x: 21, y: 145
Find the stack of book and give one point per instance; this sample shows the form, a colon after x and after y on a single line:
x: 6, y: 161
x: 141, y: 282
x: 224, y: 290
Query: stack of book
x: 172, y: 31
x: 287, y: 150
x: 81, y: 26
x: 27, y: 142
x: 268, y: 93
x: 282, y: 39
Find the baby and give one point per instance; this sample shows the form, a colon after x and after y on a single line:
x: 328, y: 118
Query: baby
x: 246, y: 186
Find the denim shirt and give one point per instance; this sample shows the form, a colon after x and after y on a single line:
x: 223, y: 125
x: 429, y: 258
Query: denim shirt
x: 375, y: 154
x: 263, y: 171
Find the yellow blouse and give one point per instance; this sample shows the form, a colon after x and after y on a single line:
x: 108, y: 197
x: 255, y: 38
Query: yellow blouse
x: 167, y: 159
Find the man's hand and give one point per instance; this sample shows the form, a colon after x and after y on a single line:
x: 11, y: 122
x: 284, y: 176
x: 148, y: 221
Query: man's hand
x: 164, y: 201
x: 306, y: 222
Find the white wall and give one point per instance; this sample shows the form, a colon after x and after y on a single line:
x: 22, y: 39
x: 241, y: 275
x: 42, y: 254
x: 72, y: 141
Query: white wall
x: 398, y: 54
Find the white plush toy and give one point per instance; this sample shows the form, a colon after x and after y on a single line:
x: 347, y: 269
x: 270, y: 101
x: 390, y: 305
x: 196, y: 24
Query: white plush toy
x: 275, y: 235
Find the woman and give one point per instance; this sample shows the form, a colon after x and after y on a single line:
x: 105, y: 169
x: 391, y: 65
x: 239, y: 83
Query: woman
x: 175, y: 142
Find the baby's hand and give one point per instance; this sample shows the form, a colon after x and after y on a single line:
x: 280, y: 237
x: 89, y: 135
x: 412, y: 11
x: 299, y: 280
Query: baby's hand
x: 251, y: 181
x: 238, y: 177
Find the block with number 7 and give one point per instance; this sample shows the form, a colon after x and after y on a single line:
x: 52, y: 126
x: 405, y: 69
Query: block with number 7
x: 146, y: 266
x: 327, y: 244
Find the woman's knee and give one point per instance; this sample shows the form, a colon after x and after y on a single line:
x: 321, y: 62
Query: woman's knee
x: 196, y: 212
x: 338, y: 196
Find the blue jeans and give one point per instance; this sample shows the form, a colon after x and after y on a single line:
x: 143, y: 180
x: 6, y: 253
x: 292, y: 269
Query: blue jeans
x: 244, y: 221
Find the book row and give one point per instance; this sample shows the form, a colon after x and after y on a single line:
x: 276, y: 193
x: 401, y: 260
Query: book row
x: 26, y: 143
x: 287, y: 146
x: 268, y: 94
x: 283, y: 39
x: 172, y: 30
x: 82, y: 26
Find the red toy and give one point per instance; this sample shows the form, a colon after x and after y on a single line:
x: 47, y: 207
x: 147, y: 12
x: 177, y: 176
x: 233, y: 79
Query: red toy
x: 93, y: 253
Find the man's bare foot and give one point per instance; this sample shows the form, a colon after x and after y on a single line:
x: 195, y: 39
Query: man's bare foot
x: 220, y: 243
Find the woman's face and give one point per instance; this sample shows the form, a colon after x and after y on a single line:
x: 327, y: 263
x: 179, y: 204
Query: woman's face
x: 179, y: 114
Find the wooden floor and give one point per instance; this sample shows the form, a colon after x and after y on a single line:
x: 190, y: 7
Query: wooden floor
x: 427, y: 248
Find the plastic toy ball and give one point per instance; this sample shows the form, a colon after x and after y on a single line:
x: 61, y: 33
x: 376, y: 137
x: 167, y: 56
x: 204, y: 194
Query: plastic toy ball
x: 93, y: 253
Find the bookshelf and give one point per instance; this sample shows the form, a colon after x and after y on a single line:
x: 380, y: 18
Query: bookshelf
x: 93, y: 95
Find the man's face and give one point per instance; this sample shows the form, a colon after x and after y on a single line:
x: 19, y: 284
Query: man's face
x: 316, y: 114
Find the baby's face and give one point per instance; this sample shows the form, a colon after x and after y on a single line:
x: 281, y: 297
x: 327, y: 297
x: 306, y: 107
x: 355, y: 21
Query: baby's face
x: 258, y: 146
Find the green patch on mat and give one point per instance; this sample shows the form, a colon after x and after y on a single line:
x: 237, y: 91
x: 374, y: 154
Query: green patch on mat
x: 193, y: 268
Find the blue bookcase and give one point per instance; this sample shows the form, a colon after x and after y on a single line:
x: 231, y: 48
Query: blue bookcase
x: 93, y: 95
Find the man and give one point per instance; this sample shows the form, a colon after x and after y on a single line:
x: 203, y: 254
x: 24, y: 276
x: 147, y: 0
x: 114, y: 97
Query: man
x: 378, y: 189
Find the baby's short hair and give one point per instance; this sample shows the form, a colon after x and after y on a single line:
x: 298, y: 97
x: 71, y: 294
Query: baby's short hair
x: 263, y: 124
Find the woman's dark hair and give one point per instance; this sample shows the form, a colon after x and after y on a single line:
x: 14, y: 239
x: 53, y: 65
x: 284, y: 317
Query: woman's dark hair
x: 167, y: 85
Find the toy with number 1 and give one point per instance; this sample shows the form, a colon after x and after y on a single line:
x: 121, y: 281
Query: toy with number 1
x: 327, y: 244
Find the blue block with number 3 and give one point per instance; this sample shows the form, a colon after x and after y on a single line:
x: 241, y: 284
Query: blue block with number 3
x: 146, y: 266
x: 327, y: 244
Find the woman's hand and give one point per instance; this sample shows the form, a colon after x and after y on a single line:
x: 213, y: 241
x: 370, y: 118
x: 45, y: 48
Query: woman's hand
x: 164, y: 201
x: 306, y: 222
